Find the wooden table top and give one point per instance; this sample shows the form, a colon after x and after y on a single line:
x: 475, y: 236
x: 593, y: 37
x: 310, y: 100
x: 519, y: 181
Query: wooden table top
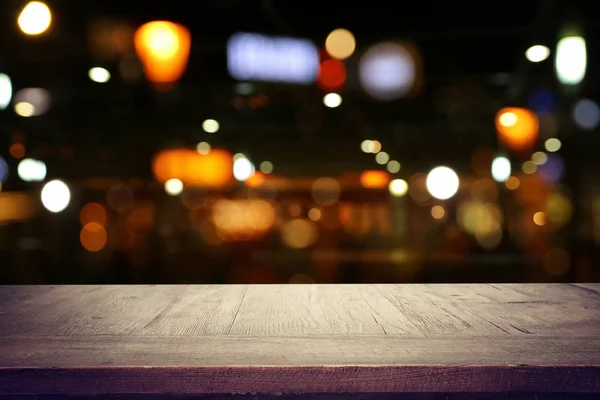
x: 187, y: 339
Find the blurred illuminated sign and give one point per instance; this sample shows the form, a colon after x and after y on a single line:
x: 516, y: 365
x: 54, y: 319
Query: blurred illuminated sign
x: 257, y: 57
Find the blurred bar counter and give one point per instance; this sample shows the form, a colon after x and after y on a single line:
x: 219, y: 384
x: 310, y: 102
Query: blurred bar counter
x: 373, y: 341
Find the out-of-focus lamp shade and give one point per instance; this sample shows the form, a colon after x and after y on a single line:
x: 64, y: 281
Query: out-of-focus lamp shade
x: 163, y: 48
x: 31, y: 102
x: 517, y: 128
x: 191, y: 168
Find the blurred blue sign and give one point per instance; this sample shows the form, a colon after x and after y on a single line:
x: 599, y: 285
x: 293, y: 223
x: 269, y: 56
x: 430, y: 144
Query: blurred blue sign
x: 255, y: 57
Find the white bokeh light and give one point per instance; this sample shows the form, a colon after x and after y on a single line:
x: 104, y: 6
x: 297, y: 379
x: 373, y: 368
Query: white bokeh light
x: 210, y: 126
x: 571, y: 60
x: 98, y: 74
x: 442, y: 183
x: 31, y: 170
x: 243, y: 169
x: 387, y: 71
x: 332, y: 100
x: 56, y: 196
x: 398, y: 187
x: 501, y: 169
x: 537, y: 53
x: 173, y: 187
x: 5, y: 91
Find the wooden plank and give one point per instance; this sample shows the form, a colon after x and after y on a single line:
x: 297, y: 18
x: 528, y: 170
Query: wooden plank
x: 290, y: 310
x: 119, y: 309
x: 194, y: 339
x: 488, y: 310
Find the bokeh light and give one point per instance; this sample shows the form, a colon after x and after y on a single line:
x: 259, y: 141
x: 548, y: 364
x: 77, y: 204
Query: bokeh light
x: 537, y: 53
x: 266, y: 167
x: 332, y: 100
x: 517, y: 128
x: 552, y: 145
x: 398, y: 187
x: 99, y: 75
x: 35, y: 18
x: 332, y: 74
x: 5, y: 91
x: 163, y: 48
x: 93, y: 213
x: 571, y: 60
x: 210, y: 126
x: 442, y: 183
x: 501, y: 169
x: 387, y: 71
x: 173, y: 187
x: 31, y: 170
x: 55, y: 196
x: 586, y: 114
x: 340, y: 44
x: 243, y: 169
x: 93, y: 237
x: 326, y: 191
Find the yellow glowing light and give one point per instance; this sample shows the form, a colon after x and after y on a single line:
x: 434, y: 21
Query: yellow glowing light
x: 35, y: 18
x: 517, y: 128
x: 164, y: 49
x: 398, y: 187
x: 24, y: 109
x: 340, y: 44
x: 508, y: 119
x: 539, y: 218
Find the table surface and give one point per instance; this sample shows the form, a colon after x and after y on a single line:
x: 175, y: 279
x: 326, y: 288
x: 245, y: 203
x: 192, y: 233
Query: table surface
x: 184, y: 339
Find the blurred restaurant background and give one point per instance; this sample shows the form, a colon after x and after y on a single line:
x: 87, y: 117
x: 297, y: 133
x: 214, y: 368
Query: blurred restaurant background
x: 262, y: 141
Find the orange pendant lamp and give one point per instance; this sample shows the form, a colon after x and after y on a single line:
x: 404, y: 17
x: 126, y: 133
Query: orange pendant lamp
x: 163, y: 48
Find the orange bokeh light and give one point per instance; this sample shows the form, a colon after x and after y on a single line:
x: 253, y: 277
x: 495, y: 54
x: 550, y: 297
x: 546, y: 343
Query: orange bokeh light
x: 163, y: 48
x: 93, y: 237
x: 374, y: 179
x: 332, y: 74
x: 17, y: 150
x: 93, y: 212
x: 517, y: 128
x: 256, y: 180
x: 209, y: 170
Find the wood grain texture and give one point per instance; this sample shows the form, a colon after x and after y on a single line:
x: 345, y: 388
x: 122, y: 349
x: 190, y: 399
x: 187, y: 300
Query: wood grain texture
x: 198, y: 339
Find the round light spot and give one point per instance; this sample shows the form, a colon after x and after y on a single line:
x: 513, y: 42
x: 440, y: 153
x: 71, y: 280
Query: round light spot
x: 340, y: 44
x: 398, y: 187
x: 552, y: 145
x: 537, y: 53
x: 393, y: 166
x: 210, y: 126
x: 332, y: 100
x: 173, y: 187
x: 35, y: 18
x: 266, y: 167
x: 243, y: 169
x: 387, y: 71
x: 55, y: 196
x: 382, y: 158
x: 203, y: 148
x: 501, y: 169
x: 442, y: 183
x: 586, y: 114
x: 99, y: 75
x: 31, y: 170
